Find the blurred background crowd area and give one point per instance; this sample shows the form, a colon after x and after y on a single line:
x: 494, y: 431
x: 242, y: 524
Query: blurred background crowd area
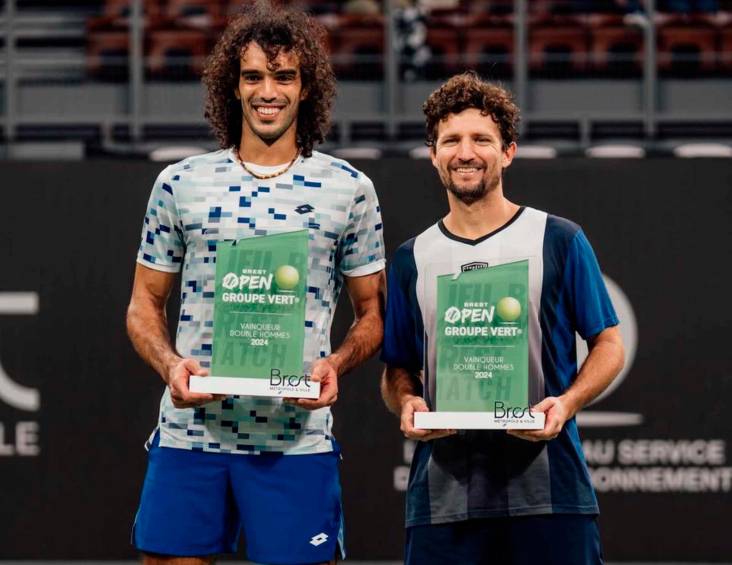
x: 433, y: 38
x: 99, y: 74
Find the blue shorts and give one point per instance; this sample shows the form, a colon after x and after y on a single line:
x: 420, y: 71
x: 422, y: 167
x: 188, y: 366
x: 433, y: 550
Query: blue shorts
x: 549, y: 539
x: 195, y: 504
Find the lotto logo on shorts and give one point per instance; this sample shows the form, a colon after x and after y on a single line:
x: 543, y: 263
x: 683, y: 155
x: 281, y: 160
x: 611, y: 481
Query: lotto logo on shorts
x: 319, y: 539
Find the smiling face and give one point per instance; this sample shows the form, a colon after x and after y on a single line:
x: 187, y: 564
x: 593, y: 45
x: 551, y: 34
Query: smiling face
x: 270, y: 93
x: 469, y: 156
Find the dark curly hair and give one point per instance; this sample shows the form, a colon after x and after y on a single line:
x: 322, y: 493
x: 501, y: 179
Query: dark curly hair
x: 274, y: 29
x: 468, y: 90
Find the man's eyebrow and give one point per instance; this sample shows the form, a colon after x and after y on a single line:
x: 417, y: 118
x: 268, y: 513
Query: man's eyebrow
x: 276, y: 72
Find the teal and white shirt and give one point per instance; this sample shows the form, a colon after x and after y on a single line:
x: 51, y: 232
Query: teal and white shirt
x: 210, y: 198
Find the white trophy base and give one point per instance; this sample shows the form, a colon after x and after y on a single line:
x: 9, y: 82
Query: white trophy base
x: 476, y: 421
x: 252, y: 387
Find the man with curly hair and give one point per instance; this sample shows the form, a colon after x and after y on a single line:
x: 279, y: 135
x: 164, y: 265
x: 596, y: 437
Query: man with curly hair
x: 219, y: 464
x: 477, y: 497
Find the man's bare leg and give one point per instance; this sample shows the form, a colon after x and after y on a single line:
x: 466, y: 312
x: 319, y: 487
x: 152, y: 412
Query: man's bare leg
x: 166, y: 560
x: 169, y: 560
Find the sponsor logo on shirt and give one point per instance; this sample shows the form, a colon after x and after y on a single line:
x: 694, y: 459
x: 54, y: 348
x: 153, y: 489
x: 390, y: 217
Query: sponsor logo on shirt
x: 474, y: 266
x: 320, y: 539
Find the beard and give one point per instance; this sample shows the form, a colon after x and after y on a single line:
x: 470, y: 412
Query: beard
x: 470, y: 194
x: 268, y: 136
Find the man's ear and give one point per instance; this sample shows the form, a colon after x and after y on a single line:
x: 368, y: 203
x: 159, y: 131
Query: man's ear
x: 433, y: 156
x: 508, y: 154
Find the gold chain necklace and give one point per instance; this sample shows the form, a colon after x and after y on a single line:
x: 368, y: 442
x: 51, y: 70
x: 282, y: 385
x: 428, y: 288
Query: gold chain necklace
x: 270, y: 176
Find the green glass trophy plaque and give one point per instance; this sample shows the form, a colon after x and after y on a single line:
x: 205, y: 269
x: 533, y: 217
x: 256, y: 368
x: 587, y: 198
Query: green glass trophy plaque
x: 259, y: 318
x: 482, y: 351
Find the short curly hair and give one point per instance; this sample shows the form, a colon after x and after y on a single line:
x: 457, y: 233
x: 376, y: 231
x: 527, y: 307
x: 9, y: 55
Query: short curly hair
x: 273, y: 28
x: 468, y: 90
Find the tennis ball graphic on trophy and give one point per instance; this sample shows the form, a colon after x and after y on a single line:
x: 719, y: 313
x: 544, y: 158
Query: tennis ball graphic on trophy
x: 286, y: 277
x: 509, y: 309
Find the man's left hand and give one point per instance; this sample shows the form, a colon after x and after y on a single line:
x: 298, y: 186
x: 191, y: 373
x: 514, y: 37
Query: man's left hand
x: 556, y: 412
x: 324, y: 373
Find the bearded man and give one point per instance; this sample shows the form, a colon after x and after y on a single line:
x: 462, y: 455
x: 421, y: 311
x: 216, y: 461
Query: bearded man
x: 481, y: 497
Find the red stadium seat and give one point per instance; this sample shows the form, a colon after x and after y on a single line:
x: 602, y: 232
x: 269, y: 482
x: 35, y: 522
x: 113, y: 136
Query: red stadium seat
x: 444, y: 41
x: 448, y: 16
x: 489, y: 44
x: 121, y: 9
x: 725, y: 49
x: 358, y: 47
x: 107, y: 54
x: 616, y: 47
x: 557, y: 45
x: 108, y: 37
x: 116, y: 15
x: 493, y: 7
x: 318, y: 7
x: 202, y: 14
x: 177, y: 53
x: 687, y: 46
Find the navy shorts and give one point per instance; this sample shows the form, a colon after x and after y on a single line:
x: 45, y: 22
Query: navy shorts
x: 548, y: 539
x: 195, y: 504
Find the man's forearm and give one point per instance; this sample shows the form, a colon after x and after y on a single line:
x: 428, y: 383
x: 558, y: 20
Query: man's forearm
x: 361, y: 342
x: 603, y: 363
x: 148, y: 331
x: 397, y: 385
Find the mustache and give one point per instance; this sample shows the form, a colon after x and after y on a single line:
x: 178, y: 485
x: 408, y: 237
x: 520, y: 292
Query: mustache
x: 471, y: 163
x: 260, y: 102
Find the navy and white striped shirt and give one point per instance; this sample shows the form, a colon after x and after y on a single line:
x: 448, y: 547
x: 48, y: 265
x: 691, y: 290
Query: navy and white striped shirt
x: 480, y: 474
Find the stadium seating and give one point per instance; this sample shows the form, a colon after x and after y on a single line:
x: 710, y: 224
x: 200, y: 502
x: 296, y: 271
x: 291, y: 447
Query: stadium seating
x: 558, y: 46
x: 489, y: 45
x: 177, y: 53
x: 725, y: 49
x: 687, y: 45
x: 615, y: 47
x: 121, y: 9
x: 444, y: 41
x: 563, y: 40
x: 107, y: 54
x: 202, y: 14
x: 358, y: 47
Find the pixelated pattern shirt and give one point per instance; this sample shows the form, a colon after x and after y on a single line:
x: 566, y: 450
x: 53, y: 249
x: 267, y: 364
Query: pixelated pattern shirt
x: 209, y: 198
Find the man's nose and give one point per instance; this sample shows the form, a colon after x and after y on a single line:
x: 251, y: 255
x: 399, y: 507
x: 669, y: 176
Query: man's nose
x: 465, y: 151
x: 268, y: 90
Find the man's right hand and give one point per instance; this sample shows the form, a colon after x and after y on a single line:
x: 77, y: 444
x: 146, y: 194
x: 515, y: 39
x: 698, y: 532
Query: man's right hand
x: 178, y: 378
x: 410, y: 405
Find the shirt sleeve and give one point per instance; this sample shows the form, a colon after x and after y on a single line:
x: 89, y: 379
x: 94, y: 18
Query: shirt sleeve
x: 361, y: 246
x: 161, y: 245
x: 403, y: 327
x: 591, y: 307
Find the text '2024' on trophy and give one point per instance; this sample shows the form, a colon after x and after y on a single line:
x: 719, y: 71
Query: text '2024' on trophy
x: 480, y: 350
x: 259, y: 318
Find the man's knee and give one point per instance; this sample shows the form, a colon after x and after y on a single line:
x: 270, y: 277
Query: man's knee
x: 154, y: 559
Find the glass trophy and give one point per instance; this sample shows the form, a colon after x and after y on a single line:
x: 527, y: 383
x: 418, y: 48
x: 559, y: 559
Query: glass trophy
x: 259, y: 318
x: 477, y: 347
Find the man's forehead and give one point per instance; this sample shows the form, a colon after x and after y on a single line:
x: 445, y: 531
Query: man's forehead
x: 252, y: 55
x: 468, y: 120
